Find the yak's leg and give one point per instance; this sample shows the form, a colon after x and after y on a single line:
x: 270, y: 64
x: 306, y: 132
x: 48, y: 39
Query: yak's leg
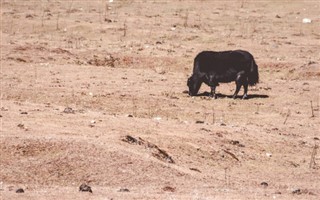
x: 238, y: 86
x: 240, y: 80
x: 245, y: 86
x: 213, y: 92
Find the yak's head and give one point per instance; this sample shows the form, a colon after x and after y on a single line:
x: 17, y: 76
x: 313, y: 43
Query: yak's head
x: 194, y: 84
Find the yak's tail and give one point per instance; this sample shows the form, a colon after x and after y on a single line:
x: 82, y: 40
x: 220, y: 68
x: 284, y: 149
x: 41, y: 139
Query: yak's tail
x: 253, y: 77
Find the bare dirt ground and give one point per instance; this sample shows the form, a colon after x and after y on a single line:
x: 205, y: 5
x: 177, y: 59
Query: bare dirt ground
x: 94, y: 92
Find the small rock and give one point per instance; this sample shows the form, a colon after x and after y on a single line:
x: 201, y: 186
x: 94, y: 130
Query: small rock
x: 277, y: 16
x: 269, y: 154
x: 20, y: 190
x: 85, y: 188
x: 169, y: 189
x: 185, y: 92
x: 315, y: 138
x: 123, y: 190
x: 4, y: 109
x: 195, y: 169
x: 29, y: 16
x: 311, y: 62
x: 20, y: 125
x: 21, y: 60
x: 129, y: 115
x: 234, y: 142
x: 24, y: 113
x: 237, y: 143
x: 223, y: 124
x: 264, y: 184
x: 297, y: 191
x: 204, y: 129
x: 0, y: 115
x: 107, y: 20
x: 68, y: 110
x: 199, y: 122
x: 157, y: 118
x: 306, y: 20
x: 131, y: 140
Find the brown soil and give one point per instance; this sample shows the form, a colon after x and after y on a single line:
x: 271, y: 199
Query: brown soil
x: 94, y: 92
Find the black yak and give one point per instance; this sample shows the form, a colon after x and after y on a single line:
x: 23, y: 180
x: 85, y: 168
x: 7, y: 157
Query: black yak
x: 213, y: 68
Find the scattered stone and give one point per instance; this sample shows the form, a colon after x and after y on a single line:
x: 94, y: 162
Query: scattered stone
x: 154, y: 149
x: 297, y: 191
x: 195, y: 169
x: 29, y: 16
x: 91, y: 125
x: 234, y: 142
x: 264, y: 184
x: 105, y: 61
x: 85, y: 188
x: 21, y: 126
x: 4, y: 109
x: 24, y: 113
x: 306, y: 20
x: 312, y: 62
x: 237, y: 143
x: 131, y: 140
x: 21, y: 60
x: 20, y: 190
x: 162, y: 155
x: 69, y: 110
x: 231, y: 154
x: 302, y: 191
x: 123, y: 190
x: 204, y: 129
x: 157, y: 118
x: 169, y: 189
x: 107, y: 20
x: 185, y: 92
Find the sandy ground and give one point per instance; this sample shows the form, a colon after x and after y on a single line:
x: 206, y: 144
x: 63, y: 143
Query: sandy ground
x: 94, y: 92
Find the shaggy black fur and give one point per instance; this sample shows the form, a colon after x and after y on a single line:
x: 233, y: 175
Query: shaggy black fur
x: 213, y: 68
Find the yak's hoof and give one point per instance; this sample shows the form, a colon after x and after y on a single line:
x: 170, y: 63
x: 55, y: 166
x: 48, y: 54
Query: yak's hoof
x: 213, y: 96
x: 245, y: 97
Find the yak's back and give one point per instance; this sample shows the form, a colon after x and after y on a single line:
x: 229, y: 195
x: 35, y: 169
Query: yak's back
x: 207, y: 61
